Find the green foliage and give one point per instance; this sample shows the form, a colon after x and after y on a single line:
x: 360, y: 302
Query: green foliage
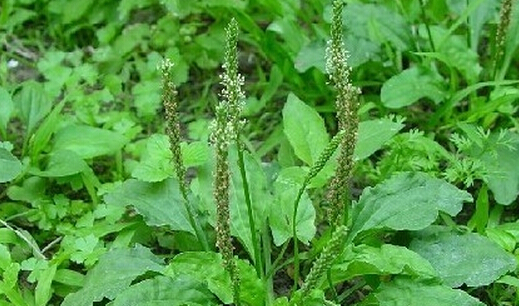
x: 404, y: 291
x: 384, y: 260
x: 406, y: 201
x: 159, y: 203
x: 113, y: 274
x: 304, y: 129
x: 454, y: 257
x: 92, y: 211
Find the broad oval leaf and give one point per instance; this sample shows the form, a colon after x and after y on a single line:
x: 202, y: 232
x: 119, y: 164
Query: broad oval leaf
x: 501, y: 163
x: 159, y: 203
x: 383, y: 260
x: 411, y: 85
x: 304, y: 129
x: 378, y: 23
x: 155, y: 164
x: 406, y: 201
x: 260, y: 198
x: 281, y: 212
x: 87, y: 141
x: 163, y: 290
x: 408, y: 292
x: 456, y: 256
x: 113, y: 274
x: 217, y: 278
x: 373, y: 134
x: 62, y: 163
x: 10, y: 166
x: 33, y: 103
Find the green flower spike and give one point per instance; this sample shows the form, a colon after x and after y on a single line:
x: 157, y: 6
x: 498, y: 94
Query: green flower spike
x: 347, y: 105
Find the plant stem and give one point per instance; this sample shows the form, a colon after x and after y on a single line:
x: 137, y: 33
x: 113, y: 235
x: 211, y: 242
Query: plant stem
x: 258, y: 262
x: 294, y: 232
x: 199, y: 232
x: 267, y: 251
x: 275, y: 266
x: 429, y: 35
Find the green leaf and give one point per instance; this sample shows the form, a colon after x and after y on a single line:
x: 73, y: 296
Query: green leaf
x: 155, y: 164
x: 10, y: 166
x: 62, y: 163
x: 87, y: 141
x: 500, y: 156
x: 73, y: 10
x: 453, y: 51
x: 32, y: 189
x: 407, y: 292
x: 481, y: 15
x: 377, y: 23
x: 314, y: 298
x: 456, y: 256
x: 147, y: 98
x: 215, y: 275
x: 159, y: 203
x: 33, y: 103
x: 114, y: 272
x: 43, y: 291
x: 45, y: 130
x: 126, y: 6
x: 6, y: 109
x: 282, y: 211
x: 479, y: 219
x: 409, y: 86
x: 217, y: 278
x: 304, y: 129
x: 69, y: 277
x: 195, y: 153
x: 503, y: 238
x: 12, y: 294
x: 163, y: 290
x: 311, y: 55
x: 361, y: 50
x: 131, y: 37
x: 260, y: 198
x: 373, y: 134
x: 406, y: 201
x: 52, y: 68
x: 289, y: 29
x: 383, y: 260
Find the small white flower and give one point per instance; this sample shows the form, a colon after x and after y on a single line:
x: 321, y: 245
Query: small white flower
x: 12, y: 64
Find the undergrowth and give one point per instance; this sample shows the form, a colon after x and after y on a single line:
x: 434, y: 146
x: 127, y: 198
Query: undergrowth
x: 136, y: 169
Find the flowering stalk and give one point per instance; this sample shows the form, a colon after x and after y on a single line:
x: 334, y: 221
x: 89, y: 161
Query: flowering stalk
x: 325, y: 155
x: 347, y: 105
x: 226, y: 128
x: 504, y: 22
x: 170, y: 102
x: 331, y: 251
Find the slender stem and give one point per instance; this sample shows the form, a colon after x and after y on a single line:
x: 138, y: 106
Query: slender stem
x: 422, y: 7
x: 332, y: 287
x: 348, y: 292
x: 267, y: 251
x: 258, y: 262
x: 199, y: 232
x: 294, y: 233
x: 275, y: 265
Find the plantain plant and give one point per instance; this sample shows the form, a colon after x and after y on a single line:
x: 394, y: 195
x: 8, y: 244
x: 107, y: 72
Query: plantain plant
x: 233, y: 227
